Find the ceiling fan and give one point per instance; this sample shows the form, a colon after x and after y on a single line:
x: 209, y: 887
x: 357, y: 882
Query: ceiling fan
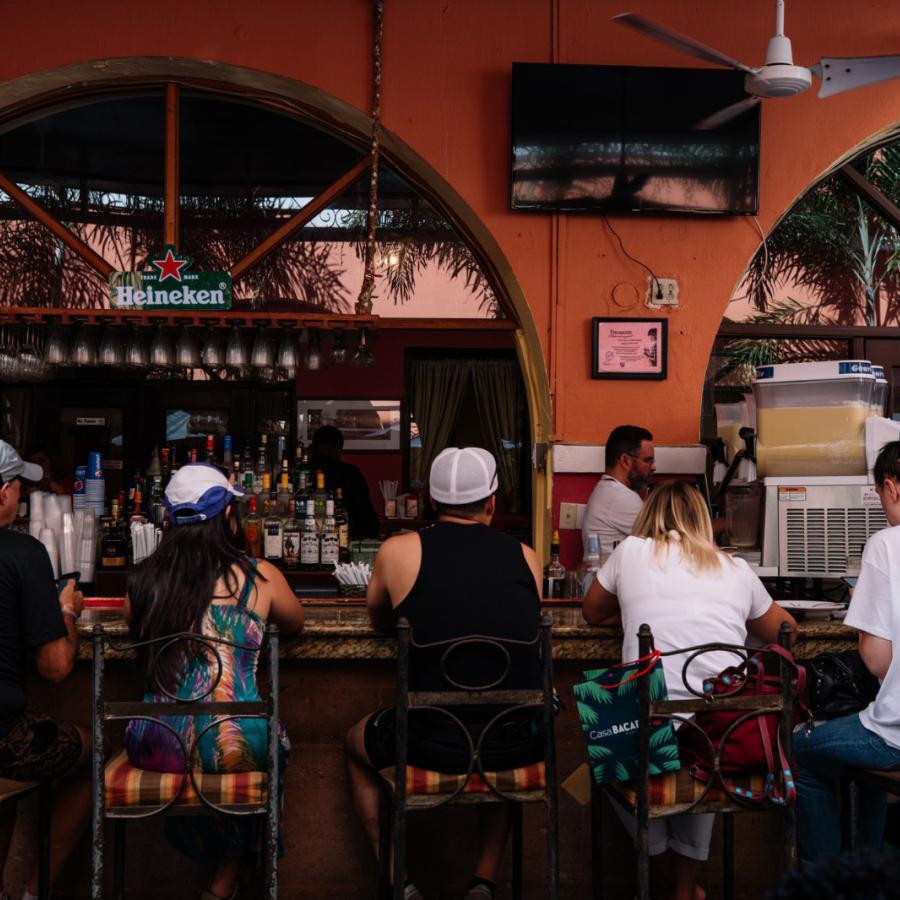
x: 778, y: 76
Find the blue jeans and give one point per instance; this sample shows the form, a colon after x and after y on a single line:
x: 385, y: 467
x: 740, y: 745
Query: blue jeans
x: 831, y: 750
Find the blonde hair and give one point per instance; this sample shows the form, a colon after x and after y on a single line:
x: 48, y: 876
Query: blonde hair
x: 675, y: 513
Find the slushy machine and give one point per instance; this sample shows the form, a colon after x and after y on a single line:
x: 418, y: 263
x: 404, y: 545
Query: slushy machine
x: 810, y: 505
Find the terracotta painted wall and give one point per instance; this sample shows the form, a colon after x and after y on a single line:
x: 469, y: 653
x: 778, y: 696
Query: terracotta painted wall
x: 446, y: 93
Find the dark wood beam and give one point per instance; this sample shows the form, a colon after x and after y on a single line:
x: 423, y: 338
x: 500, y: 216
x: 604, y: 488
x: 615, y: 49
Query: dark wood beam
x: 310, y: 211
x: 870, y: 194
x: 816, y: 332
x: 172, y: 180
x: 49, y: 221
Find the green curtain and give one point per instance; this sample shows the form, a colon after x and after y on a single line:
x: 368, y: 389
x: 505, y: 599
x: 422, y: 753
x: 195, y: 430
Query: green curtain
x: 437, y: 390
x: 498, y: 395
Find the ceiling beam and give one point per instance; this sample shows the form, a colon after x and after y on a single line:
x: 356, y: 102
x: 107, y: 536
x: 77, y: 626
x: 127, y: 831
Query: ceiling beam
x: 870, y: 194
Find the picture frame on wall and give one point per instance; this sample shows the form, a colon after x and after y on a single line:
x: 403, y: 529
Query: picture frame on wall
x: 629, y: 348
x: 367, y: 425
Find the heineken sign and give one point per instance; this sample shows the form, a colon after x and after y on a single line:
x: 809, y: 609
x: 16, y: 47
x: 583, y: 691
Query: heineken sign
x: 168, y: 284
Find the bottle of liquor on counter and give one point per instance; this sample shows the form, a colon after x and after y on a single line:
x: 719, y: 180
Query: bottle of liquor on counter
x: 273, y: 536
x: 290, y: 538
x: 165, y: 469
x: 342, y: 521
x: 157, y: 503
x: 192, y: 457
x: 554, y: 572
x: 253, y: 529
x: 589, y: 565
x: 262, y: 463
x: 210, y: 458
x: 154, y: 468
x: 227, y: 454
x: 247, y: 459
x: 285, y: 498
x: 113, y: 545
x: 262, y: 499
x: 248, y: 492
x: 330, y: 550
x: 320, y: 496
x: 298, y: 464
x: 309, y: 539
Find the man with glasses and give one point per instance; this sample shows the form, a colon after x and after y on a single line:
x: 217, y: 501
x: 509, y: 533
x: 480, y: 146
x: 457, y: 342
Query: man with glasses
x: 615, y: 501
x: 37, y: 622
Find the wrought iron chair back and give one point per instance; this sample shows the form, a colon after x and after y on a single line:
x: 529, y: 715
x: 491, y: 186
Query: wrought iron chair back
x: 105, y: 711
x: 749, y: 706
x: 458, y: 695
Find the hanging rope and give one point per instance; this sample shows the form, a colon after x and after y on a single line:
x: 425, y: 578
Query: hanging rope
x: 364, y: 301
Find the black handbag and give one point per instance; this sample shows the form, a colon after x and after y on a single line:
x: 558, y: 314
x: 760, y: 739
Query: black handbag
x: 838, y: 684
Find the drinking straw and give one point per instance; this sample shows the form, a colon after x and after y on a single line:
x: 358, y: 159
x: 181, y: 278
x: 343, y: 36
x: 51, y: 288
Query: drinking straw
x: 48, y: 539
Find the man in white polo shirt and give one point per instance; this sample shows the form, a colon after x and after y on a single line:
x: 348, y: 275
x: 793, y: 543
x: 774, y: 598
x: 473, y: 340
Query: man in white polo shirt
x: 615, y: 502
x: 869, y: 739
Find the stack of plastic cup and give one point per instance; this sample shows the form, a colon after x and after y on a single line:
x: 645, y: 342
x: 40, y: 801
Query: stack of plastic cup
x: 78, y: 495
x: 94, y: 485
x: 36, y: 513
x: 87, y: 548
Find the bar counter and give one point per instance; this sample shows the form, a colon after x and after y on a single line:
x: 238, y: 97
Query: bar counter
x: 340, y: 629
x: 339, y: 669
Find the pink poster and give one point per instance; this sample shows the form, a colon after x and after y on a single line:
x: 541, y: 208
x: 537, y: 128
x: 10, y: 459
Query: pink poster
x: 629, y: 348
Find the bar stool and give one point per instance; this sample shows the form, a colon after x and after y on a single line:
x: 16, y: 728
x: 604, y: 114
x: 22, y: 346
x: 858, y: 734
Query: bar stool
x: 415, y: 788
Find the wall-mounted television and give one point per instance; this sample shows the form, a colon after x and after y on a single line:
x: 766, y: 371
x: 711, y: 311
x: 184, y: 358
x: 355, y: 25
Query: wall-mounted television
x: 624, y: 139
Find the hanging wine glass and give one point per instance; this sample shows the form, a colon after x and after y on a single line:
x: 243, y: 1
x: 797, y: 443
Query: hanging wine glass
x: 84, y: 349
x: 261, y: 356
x: 286, y: 356
x: 135, y: 351
x: 313, y: 358
x: 112, y: 350
x: 339, y: 349
x: 187, y: 355
x: 235, y: 351
x: 162, y: 355
x: 56, y: 350
x: 363, y: 358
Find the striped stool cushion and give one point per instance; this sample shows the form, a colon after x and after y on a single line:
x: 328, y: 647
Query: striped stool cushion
x: 679, y: 787
x: 425, y: 781
x: 128, y: 786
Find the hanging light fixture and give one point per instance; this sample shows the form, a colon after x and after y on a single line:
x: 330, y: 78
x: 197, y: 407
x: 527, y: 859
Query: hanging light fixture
x: 261, y: 356
x: 112, y: 350
x: 363, y: 358
x: 313, y: 359
x: 286, y: 357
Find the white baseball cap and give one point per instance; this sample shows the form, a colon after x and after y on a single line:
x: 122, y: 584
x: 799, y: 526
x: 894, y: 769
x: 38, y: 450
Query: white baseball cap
x: 13, y: 466
x: 462, y: 475
x: 198, y: 492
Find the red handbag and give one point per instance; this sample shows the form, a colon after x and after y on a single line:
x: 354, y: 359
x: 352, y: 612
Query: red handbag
x: 752, y: 746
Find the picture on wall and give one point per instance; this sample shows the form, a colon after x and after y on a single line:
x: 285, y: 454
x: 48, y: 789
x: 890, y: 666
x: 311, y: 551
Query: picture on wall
x: 629, y: 348
x: 365, y: 424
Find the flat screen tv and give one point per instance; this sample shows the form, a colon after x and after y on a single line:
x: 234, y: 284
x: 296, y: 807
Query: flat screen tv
x: 624, y: 139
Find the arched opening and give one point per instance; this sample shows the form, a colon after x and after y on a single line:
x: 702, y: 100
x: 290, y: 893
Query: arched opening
x: 227, y: 207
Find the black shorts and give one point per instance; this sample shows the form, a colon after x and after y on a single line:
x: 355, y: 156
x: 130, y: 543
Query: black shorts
x: 38, y: 747
x: 436, y: 743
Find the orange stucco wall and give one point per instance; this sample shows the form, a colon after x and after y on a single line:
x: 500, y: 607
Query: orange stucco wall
x: 446, y: 94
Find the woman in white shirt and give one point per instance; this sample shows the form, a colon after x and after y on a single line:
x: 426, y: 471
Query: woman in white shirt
x: 671, y: 576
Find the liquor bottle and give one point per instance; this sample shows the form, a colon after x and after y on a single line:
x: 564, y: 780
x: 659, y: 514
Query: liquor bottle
x: 301, y: 481
x: 262, y: 463
x: 285, y: 499
x: 554, y: 571
x: 273, y: 500
x: 157, y: 503
x: 113, y: 546
x: 165, y: 469
x: 263, y: 496
x: 273, y: 536
x: 173, y: 461
x: 248, y: 493
x: 247, y: 459
x: 309, y: 539
x: 320, y: 496
x: 330, y: 549
x: 192, y: 458
x: 210, y: 450
x: 589, y: 564
x: 253, y: 529
x: 236, y: 477
x: 290, y: 538
x: 298, y: 463
x: 227, y: 454
x: 137, y: 514
x: 342, y: 521
x: 154, y: 468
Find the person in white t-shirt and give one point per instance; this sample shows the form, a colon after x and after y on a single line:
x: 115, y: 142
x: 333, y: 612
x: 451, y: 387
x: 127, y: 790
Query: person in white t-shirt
x: 671, y: 576
x: 615, y: 502
x: 869, y: 739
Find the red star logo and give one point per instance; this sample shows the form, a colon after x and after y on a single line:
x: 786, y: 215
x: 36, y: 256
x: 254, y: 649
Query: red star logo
x: 169, y: 266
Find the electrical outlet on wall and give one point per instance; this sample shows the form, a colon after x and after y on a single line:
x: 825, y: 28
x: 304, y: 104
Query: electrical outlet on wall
x: 662, y: 292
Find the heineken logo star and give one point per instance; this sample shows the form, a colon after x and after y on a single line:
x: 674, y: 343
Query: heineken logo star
x: 169, y: 266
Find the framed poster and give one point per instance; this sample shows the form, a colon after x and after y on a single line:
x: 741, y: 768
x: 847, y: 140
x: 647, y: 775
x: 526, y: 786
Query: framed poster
x: 629, y: 348
x: 365, y: 424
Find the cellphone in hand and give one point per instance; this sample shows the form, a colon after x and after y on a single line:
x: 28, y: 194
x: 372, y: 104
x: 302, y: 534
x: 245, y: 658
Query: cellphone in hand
x: 63, y: 580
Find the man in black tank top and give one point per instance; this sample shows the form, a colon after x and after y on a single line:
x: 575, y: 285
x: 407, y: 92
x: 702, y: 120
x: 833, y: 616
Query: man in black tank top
x: 454, y: 579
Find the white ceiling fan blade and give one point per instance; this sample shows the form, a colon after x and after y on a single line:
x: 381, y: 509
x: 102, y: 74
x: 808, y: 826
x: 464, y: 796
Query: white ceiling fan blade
x: 727, y: 113
x: 839, y: 74
x: 678, y: 41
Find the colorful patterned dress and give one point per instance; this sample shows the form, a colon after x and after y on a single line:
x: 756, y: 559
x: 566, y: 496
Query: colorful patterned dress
x: 236, y: 745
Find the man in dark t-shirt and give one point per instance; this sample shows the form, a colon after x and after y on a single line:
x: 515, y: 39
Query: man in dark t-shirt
x: 457, y: 578
x: 37, y: 622
x: 325, y: 456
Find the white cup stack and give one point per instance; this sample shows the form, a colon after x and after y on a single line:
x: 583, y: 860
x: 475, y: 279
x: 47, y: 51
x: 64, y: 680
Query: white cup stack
x: 48, y: 539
